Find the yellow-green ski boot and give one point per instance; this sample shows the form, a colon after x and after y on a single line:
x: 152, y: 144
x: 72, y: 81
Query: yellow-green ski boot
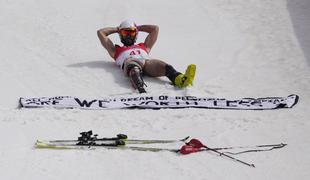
x: 185, y: 80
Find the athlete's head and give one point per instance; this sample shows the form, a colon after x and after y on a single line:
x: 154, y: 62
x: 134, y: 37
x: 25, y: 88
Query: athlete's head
x: 128, y: 32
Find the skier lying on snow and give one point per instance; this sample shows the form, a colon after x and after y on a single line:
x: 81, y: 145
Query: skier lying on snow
x: 134, y: 59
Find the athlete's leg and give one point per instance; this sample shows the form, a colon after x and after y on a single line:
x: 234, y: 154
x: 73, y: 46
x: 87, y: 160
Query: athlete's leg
x: 157, y: 68
x: 154, y: 68
x: 133, y: 69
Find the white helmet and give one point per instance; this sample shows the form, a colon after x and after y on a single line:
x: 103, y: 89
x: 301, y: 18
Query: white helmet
x: 128, y: 32
x: 127, y: 24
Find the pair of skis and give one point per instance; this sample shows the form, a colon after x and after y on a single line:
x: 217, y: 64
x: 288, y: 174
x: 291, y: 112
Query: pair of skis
x: 89, y: 141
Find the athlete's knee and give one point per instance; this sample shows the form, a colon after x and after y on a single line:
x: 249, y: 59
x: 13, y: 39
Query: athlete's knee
x: 129, y: 65
x: 132, y: 66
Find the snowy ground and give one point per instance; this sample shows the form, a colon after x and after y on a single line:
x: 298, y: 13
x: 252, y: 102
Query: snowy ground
x: 242, y: 49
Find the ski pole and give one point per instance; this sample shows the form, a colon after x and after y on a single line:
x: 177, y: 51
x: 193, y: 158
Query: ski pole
x: 197, y: 144
x: 223, y: 154
x: 257, y: 150
x: 272, y: 146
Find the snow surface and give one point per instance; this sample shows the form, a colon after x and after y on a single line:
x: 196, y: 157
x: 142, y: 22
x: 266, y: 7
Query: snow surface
x: 241, y: 48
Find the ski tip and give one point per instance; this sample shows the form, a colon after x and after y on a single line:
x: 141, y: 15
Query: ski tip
x: 40, y: 144
x: 283, y: 144
x: 39, y: 141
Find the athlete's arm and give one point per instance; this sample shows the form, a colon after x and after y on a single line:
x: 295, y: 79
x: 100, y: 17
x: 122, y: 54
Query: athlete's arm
x: 105, y: 41
x: 152, y: 37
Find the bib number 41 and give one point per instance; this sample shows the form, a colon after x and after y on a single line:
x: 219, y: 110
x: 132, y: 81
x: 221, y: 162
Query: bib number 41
x: 135, y: 52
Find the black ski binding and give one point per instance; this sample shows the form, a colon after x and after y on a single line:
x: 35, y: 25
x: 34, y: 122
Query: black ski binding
x: 121, y: 136
x: 86, y: 137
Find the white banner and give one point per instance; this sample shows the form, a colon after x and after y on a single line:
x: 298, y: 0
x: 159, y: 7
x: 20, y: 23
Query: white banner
x: 157, y: 102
